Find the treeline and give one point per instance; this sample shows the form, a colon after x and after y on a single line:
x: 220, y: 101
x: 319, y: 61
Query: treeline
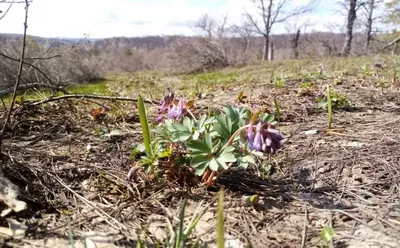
x: 63, y: 62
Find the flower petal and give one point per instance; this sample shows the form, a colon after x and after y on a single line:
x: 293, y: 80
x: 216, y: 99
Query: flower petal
x: 250, y: 136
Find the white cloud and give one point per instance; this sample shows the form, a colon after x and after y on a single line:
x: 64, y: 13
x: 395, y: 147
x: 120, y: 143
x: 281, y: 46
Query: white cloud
x: 101, y: 18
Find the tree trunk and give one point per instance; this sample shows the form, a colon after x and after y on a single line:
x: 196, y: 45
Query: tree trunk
x: 369, y: 25
x: 266, y: 48
x: 351, y: 17
x: 295, y: 44
x: 271, y: 51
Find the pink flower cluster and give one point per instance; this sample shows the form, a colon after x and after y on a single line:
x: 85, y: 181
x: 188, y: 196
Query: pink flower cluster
x: 266, y: 139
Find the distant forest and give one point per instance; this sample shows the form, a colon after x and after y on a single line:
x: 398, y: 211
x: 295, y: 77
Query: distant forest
x: 89, y: 59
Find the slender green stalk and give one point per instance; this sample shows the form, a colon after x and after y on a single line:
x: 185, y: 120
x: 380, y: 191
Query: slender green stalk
x: 328, y: 95
x: 179, y: 239
x: 277, y: 110
x: 145, y: 126
x: 220, y: 221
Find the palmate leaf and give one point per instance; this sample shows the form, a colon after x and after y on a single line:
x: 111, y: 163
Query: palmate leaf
x: 244, y: 161
x: 224, y: 126
x: 199, y: 146
x: 199, y: 161
x: 203, y: 122
x: 213, y: 165
x: 201, y: 169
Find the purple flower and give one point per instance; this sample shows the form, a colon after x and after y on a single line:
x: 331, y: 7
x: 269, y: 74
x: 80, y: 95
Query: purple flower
x: 250, y: 135
x: 168, y: 108
x: 267, y: 140
x: 177, y: 110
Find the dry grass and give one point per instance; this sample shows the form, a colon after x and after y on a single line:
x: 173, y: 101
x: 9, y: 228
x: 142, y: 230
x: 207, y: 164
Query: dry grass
x: 347, y: 179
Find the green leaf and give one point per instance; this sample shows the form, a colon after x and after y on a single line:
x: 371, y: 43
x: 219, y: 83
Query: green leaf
x: 181, y: 132
x: 328, y: 233
x: 196, y: 135
x: 180, y: 237
x: 249, y: 159
x: 138, y: 149
x: 199, y: 160
x: 165, y: 153
x: 201, y: 121
x: 201, y: 169
x: 253, y: 198
x: 227, y: 157
x: 213, y: 165
x: 222, y: 164
x: 145, y: 126
x: 223, y: 126
x: 267, y: 118
x: 228, y: 149
x: 208, y: 141
x: 198, y: 146
x: 187, y: 123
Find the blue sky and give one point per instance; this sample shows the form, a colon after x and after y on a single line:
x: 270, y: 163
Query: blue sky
x: 109, y: 18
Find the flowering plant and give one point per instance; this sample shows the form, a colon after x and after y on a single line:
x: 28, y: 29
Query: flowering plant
x: 181, y: 142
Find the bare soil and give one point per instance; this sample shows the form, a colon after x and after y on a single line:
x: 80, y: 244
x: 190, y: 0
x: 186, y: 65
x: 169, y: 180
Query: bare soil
x: 347, y: 179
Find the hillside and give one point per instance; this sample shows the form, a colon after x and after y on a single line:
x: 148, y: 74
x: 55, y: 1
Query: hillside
x: 81, y: 180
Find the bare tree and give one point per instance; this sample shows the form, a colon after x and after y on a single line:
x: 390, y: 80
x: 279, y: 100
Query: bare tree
x: 18, y: 79
x: 244, y: 33
x: 273, y: 12
x: 295, y: 44
x: 351, y: 6
x: 369, y: 8
x: 207, y: 51
x: 294, y: 29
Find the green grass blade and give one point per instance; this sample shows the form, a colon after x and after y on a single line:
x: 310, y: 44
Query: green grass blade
x: 145, y: 126
x: 220, y: 221
x: 180, y: 237
x: 277, y: 110
x: 195, y: 219
x: 196, y: 244
x: 328, y: 95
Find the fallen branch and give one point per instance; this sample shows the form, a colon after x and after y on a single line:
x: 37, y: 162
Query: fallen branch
x: 28, y: 87
x: 84, y: 96
x: 390, y: 43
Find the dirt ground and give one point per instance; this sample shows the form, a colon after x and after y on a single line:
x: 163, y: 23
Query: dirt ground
x: 348, y: 179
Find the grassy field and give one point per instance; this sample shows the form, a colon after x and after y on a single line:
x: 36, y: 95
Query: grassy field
x: 335, y: 187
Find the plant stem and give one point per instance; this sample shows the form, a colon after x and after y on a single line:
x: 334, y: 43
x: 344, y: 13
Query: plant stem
x: 328, y: 94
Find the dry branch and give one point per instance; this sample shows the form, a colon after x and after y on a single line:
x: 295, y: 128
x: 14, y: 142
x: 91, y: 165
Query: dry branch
x: 84, y: 96
x: 390, y: 43
x: 21, y: 63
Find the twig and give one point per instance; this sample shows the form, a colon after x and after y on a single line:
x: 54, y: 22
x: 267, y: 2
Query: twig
x: 304, y: 236
x: 30, y: 86
x: 21, y: 63
x: 2, y: 102
x: 116, y: 224
x: 83, y: 96
x: 8, y: 9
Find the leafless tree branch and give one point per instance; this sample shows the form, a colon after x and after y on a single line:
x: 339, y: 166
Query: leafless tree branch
x: 21, y: 63
x: 5, y: 12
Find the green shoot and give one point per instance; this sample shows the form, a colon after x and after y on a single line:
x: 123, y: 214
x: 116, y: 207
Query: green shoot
x: 145, y: 126
x: 220, y: 221
x: 277, y: 110
x: 328, y: 95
